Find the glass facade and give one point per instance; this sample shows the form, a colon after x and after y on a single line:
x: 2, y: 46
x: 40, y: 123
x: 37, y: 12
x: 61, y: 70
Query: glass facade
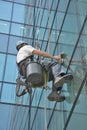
x: 58, y: 26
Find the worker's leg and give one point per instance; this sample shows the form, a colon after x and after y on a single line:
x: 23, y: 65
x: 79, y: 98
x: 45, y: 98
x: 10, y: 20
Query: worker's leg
x: 56, y: 73
x: 60, y: 77
x: 55, y: 95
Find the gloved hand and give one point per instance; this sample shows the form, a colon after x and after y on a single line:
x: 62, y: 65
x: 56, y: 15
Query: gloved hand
x: 63, y: 55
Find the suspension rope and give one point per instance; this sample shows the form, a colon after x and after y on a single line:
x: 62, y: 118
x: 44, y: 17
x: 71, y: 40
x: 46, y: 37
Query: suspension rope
x: 45, y: 107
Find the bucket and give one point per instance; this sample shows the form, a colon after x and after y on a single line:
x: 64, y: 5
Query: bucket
x: 34, y: 72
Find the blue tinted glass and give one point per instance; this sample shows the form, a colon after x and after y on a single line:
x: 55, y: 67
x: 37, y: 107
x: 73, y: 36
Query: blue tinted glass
x: 12, y: 44
x: 24, y: 1
x: 48, y: 4
x: 2, y: 64
x: 53, y: 36
x: 20, y: 1
x: 85, y: 29
x: 3, y: 42
x: 5, y: 9
x: 16, y: 29
x: 20, y: 30
x: 8, y: 93
x: 68, y: 38
x: 41, y: 33
x: 11, y: 69
x: 82, y: 8
x: 4, y: 27
x: 19, y: 14
x: 63, y: 5
x: 71, y: 23
x: 84, y: 41
x: 58, y: 20
x: 54, y: 4
x: 5, y: 113
x: 44, y: 18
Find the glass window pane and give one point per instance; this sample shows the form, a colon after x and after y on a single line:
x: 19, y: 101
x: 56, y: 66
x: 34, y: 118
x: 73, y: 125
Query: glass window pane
x: 82, y: 7
x: 11, y: 69
x: 63, y: 5
x: 5, y: 10
x: 44, y: 18
x: 4, y: 27
x: 68, y: 38
x: 8, y: 93
x: 58, y: 20
x: 20, y: 30
x: 19, y: 14
x: 12, y: 45
x: 54, y: 4
x: 3, y: 42
x: 21, y: 1
x: 2, y: 64
x: 71, y: 23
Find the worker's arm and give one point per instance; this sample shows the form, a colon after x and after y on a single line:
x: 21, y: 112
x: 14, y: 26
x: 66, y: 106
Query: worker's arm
x: 45, y: 54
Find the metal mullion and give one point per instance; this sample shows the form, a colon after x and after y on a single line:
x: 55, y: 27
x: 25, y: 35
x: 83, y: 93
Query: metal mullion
x: 42, y: 89
x: 37, y: 109
x: 51, y: 115
x: 41, y: 17
x: 35, y: 89
x: 38, y: 104
x: 75, y: 101
x: 52, y: 23
x: 85, y: 77
x: 6, y: 52
x: 70, y: 60
x: 34, y: 24
x: 62, y: 26
x: 16, y: 104
x: 47, y: 24
x: 34, y: 20
x: 29, y: 113
x: 13, y: 104
x: 15, y: 119
x: 77, y: 43
x: 38, y: 9
x: 38, y: 14
x: 30, y: 107
x: 45, y: 49
x: 41, y: 22
x: 41, y: 96
x: 31, y: 103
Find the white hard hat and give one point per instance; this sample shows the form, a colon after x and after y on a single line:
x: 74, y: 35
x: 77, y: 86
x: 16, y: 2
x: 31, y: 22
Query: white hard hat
x: 19, y: 44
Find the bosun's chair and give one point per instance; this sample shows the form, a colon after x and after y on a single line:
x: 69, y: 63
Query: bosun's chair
x: 36, y: 76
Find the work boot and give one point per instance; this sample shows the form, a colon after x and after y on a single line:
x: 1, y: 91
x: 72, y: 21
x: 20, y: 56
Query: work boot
x: 60, y: 80
x: 54, y: 96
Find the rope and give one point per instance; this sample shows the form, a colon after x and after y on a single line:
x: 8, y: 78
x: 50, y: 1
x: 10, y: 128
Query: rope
x: 45, y: 120
x: 48, y: 52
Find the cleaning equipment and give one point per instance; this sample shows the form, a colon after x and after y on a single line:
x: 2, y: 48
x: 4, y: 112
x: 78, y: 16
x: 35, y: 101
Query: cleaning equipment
x: 34, y: 72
